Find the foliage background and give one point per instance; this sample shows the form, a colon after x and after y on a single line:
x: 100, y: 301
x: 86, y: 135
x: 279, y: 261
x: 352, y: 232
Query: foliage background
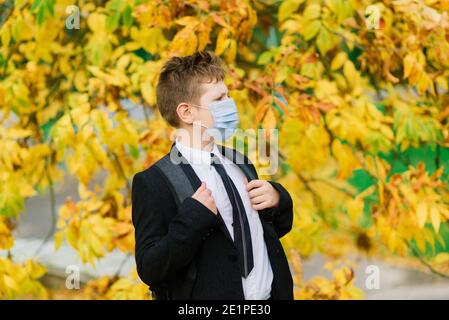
x: 362, y: 115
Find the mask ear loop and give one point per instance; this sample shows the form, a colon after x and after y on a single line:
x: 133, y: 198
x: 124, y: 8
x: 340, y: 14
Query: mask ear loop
x: 198, y: 106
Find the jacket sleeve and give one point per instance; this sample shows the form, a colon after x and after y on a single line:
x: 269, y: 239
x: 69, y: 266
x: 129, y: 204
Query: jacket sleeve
x: 167, y: 238
x: 282, y: 215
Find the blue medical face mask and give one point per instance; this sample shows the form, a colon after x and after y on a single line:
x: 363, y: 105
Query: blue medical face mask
x: 226, y: 119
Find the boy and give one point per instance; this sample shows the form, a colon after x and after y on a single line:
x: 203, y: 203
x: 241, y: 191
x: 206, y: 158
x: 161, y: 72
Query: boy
x: 222, y: 242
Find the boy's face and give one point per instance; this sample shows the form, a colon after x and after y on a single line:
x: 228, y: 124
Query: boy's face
x: 211, y: 93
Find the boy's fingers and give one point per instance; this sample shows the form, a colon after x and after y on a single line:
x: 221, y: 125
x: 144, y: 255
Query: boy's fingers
x: 258, y: 200
x: 254, y: 184
x: 255, y: 192
x: 260, y: 206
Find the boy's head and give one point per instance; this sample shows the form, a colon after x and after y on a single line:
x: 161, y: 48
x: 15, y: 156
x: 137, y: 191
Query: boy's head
x: 188, y: 82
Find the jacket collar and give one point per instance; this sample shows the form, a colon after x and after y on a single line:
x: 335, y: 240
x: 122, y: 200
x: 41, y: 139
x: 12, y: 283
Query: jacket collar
x: 198, y: 157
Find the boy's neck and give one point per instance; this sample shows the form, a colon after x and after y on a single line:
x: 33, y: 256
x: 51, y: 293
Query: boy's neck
x: 189, y: 141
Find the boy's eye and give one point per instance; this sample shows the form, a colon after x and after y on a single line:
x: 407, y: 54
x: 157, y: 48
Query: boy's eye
x: 222, y: 97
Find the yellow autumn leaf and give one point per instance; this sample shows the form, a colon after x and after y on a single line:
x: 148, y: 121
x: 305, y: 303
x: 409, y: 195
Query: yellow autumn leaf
x: 311, y: 29
x: 324, y: 41
x: 441, y: 258
x: 10, y: 282
x: 355, y: 208
x: 421, y: 213
x: 338, y: 60
x: 58, y: 238
x: 97, y: 22
x: 350, y: 73
x: 435, y: 218
x: 409, y: 63
x: 269, y: 121
x: 312, y: 11
x: 222, y: 41
x: 288, y: 7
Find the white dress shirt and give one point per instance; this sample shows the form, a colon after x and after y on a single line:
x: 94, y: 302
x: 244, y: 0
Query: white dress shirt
x: 257, y: 285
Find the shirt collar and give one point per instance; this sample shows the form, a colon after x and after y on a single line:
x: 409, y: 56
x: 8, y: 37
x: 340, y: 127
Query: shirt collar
x: 197, y: 156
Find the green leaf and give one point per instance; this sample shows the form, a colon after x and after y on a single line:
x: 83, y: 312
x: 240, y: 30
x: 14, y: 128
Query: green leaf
x: 46, y: 127
x: 264, y: 58
x: 113, y: 21
x: 134, y: 152
x: 115, y: 5
x: 40, y: 16
x: 42, y: 8
x: 50, y: 6
x: 36, y: 4
x: 127, y: 18
x: 361, y: 179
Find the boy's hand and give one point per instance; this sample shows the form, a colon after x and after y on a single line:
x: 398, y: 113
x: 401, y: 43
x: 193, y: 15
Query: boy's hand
x: 262, y: 194
x: 204, y: 195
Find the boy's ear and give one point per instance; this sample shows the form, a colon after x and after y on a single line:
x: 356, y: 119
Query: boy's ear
x: 184, y: 113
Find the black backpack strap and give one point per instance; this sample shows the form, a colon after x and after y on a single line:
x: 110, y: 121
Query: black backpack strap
x: 177, y: 180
